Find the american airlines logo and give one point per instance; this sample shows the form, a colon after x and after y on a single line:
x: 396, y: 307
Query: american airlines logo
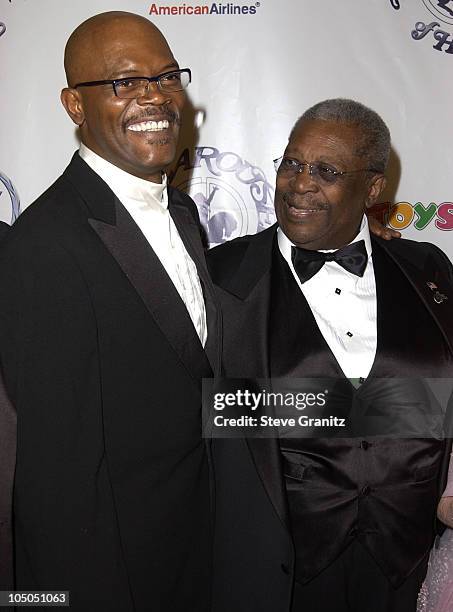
x: 210, y: 8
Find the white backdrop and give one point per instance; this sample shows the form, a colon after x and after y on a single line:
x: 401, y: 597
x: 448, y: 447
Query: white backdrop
x: 253, y: 75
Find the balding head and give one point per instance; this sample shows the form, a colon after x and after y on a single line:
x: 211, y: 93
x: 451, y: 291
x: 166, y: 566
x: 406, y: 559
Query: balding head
x: 139, y: 135
x: 86, y: 46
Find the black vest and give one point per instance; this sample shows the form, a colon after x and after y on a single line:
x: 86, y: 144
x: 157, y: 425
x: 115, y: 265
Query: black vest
x: 380, y: 490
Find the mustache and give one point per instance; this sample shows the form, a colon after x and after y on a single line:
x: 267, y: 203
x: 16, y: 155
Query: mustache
x: 307, y: 201
x: 155, y: 115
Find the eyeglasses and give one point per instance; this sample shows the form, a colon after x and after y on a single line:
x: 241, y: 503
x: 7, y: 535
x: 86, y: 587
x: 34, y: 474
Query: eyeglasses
x: 138, y: 86
x: 321, y: 173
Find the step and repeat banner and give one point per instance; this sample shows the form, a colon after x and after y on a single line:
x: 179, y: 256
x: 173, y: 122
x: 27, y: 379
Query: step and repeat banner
x: 256, y: 66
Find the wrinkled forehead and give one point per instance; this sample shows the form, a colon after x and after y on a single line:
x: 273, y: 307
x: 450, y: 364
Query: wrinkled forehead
x: 316, y: 137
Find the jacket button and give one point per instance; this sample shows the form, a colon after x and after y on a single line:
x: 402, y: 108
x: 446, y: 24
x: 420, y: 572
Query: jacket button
x: 365, y: 491
x: 285, y: 568
x: 365, y: 444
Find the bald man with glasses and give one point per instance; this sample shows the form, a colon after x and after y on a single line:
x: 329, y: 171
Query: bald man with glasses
x: 108, y: 323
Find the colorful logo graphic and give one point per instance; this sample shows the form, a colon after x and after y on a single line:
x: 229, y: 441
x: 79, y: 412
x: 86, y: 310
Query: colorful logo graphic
x: 233, y: 196
x: 9, y: 200
x: 210, y: 8
x: 402, y: 215
x: 441, y: 10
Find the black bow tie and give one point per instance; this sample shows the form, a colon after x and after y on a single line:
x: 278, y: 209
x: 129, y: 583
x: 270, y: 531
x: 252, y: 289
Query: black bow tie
x: 352, y: 258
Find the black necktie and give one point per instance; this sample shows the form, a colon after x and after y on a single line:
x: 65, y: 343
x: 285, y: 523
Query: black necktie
x: 353, y: 258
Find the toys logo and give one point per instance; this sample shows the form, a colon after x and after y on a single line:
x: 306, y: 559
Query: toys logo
x: 401, y: 215
x: 232, y: 195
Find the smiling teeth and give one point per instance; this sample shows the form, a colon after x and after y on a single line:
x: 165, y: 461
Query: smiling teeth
x: 149, y: 126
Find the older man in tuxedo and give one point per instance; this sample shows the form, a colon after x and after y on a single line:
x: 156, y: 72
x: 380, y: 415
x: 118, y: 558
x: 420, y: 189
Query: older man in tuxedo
x: 107, y: 325
x: 336, y: 524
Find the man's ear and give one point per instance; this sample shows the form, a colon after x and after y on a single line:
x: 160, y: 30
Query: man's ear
x: 71, y: 100
x: 375, y: 188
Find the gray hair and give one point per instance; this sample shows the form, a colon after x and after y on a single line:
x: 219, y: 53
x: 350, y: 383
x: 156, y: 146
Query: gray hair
x: 375, y: 144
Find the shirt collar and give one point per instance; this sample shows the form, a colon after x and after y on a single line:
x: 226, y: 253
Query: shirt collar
x: 127, y: 186
x: 285, y: 244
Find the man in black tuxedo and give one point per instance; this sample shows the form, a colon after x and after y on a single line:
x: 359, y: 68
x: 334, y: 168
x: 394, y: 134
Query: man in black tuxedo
x: 107, y: 325
x: 337, y: 524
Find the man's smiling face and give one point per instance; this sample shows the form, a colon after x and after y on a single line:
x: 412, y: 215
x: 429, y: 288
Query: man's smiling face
x: 315, y: 213
x: 137, y: 135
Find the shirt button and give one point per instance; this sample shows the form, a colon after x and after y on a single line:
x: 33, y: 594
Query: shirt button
x: 365, y: 491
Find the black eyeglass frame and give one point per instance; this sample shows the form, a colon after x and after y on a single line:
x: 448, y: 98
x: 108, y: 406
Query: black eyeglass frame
x: 313, y: 169
x: 154, y: 79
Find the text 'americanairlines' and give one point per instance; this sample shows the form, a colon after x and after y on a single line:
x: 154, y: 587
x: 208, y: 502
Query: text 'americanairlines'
x: 214, y: 8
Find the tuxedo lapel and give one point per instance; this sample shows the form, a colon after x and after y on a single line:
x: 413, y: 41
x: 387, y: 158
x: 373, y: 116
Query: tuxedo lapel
x: 127, y: 244
x: 256, y: 263
x: 245, y: 297
x: 250, y: 300
x: 267, y: 459
x: 190, y: 235
x: 415, y: 270
x: 420, y: 279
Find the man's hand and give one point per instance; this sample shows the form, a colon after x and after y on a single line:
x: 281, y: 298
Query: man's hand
x: 380, y: 230
x: 445, y: 511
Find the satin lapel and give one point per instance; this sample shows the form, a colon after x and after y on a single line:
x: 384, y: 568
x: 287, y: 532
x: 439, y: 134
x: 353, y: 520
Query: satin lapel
x: 419, y: 279
x: 267, y: 459
x: 247, y: 308
x: 252, y: 285
x: 142, y: 267
x: 256, y: 263
x: 189, y: 232
x: 126, y: 243
x: 190, y: 235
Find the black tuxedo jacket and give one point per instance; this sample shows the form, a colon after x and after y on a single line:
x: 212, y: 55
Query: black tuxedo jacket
x: 253, y: 547
x: 3, y: 229
x: 103, y: 365
x: 7, y: 460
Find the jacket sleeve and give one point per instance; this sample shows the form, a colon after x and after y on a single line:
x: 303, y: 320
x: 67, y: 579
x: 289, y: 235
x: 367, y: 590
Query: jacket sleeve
x: 49, y: 359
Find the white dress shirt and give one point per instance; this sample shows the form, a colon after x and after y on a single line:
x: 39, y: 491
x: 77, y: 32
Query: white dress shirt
x: 147, y: 203
x: 344, y: 307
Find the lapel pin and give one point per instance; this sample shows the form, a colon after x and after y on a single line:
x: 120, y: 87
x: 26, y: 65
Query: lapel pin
x: 438, y: 296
